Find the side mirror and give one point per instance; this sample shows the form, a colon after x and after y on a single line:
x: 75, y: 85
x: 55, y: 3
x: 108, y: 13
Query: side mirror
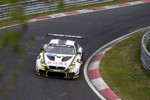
x: 45, y: 46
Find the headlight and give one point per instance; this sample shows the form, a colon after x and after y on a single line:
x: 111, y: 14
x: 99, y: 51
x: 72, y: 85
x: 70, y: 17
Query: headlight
x: 43, y: 65
x: 72, y: 66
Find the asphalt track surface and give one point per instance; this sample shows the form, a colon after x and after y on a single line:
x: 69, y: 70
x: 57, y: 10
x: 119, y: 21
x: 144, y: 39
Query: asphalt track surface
x: 97, y: 28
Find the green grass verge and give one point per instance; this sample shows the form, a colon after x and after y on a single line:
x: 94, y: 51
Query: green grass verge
x: 122, y: 70
x: 10, y: 21
x: 11, y: 1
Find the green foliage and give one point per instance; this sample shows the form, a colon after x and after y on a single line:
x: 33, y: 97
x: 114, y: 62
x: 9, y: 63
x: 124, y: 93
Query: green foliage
x: 12, y: 39
x: 15, y: 74
x: 1, y: 69
x: 6, y: 95
x: 33, y: 38
x: 11, y: 89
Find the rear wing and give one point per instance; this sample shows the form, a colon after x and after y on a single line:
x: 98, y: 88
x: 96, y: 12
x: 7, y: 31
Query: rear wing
x: 65, y: 36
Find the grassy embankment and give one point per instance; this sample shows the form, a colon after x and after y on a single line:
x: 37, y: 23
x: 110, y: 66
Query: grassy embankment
x: 10, y: 1
x: 123, y: 71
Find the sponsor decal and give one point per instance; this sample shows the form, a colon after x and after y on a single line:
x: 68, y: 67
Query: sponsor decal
x: 58, y: 63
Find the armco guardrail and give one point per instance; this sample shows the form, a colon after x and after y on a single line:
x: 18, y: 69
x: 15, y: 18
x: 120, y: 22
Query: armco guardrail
x: 41, y: 6
x: 145, y: 54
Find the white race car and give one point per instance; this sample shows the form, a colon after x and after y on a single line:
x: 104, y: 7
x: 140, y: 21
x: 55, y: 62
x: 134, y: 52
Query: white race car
x: 60, y: 58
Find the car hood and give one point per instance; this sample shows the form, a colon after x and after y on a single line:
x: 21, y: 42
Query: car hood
x: 58, y: 60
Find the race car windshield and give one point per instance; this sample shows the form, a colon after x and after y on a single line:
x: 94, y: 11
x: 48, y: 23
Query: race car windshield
x: 58, y: 49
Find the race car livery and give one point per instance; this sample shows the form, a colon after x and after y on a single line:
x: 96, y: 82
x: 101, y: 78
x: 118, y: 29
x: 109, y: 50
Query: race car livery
x: 60, y: 58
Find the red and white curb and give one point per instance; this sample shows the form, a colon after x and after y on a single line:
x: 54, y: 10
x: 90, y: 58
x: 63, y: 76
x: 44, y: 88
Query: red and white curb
x: 88, y: 10
x: 92, y: 72
x: 95, y: 77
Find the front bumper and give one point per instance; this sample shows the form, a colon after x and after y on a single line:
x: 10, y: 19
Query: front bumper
x: 57, y: 74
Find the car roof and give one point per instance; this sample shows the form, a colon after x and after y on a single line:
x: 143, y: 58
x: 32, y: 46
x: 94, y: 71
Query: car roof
x: 62, y: 42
